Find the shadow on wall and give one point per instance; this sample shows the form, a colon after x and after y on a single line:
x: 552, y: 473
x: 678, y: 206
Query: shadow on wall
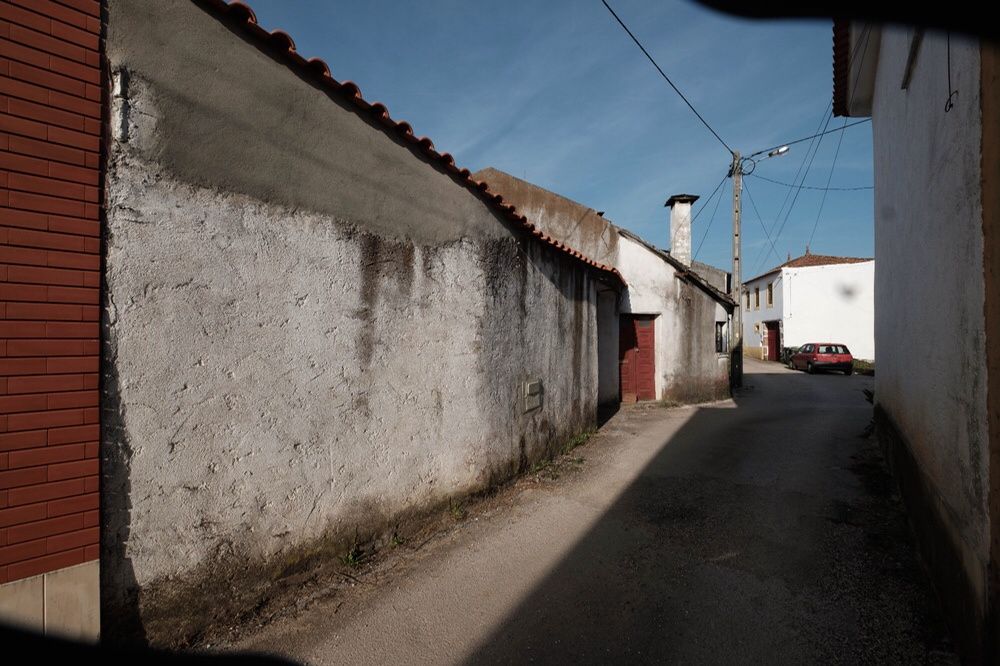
x: 120, y: 617
x: 713, y: 555
x: 515, y: 270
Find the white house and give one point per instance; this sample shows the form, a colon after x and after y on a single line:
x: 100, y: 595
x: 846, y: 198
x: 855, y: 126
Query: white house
x: 672, y: 317
x: 934, y: 103
x: 812, y: 298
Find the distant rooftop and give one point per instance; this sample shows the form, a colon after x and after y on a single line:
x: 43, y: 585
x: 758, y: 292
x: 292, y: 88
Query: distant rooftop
x: 808, y: 259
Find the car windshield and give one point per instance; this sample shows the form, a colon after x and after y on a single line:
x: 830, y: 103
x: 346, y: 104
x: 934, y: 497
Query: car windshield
x: 833, y: 349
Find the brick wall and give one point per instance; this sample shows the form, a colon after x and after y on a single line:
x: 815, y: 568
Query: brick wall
x: 50, y: 136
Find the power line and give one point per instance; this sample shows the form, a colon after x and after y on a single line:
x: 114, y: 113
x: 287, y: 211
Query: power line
x: 810, y: 187
x: 798, y: 185
x: 665, y: 77
x: 857, y: 47
x: 798, y: 172
x: 761, y: 221
x: 704, y: 204
x: 819, y: 137
x: 825, y: 118
x: 709, y: 199
x: 807, y: 138
x: 805, y: 174
x: 709, y: 225
x: 822, y: 202
x: 836, y: 154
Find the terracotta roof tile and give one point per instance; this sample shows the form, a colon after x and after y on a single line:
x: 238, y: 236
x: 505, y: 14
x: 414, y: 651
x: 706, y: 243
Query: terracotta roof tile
x: 841, y: 65
x: 242, y: 16
x: 808, y: 260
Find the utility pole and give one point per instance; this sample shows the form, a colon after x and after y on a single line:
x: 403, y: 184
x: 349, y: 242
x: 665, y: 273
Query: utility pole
x: 736, y: 334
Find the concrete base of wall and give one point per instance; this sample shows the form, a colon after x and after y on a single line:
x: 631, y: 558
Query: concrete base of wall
x: 694, y: 391
x: 64, y: 603
x: 754, y: 352
x: 943, y: 557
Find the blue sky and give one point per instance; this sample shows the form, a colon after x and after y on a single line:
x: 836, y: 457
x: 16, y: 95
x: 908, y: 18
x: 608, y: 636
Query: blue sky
x: 555, y: 92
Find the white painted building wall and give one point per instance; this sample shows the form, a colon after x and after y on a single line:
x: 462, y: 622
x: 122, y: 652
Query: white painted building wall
x: 651, y: 290
x: 755, y: 316
x: 832, y: 303
x: 686, y: 367
x: 929, y: 281
x: 286, y: 379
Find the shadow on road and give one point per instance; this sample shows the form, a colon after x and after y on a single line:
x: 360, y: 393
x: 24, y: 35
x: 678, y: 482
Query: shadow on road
x: 766, y: 533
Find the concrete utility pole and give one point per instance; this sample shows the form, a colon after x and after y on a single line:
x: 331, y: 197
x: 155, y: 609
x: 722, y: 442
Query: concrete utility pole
x: 736, y: 334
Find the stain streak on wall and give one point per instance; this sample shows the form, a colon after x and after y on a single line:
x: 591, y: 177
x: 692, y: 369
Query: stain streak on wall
x: 308, y: 348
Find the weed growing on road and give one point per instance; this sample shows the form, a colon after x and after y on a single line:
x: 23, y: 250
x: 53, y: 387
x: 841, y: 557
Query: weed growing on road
x: 578, y: 440
x: 396, y: 540
x: 541, y: 466
x: 863, y: 367
x: 457, y: 510
x: 352, y: 558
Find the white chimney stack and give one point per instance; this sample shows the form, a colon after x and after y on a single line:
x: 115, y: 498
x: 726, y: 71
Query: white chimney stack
x: 680, y: 226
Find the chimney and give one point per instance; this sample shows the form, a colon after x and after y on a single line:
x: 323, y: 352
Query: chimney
x: 680, y: 226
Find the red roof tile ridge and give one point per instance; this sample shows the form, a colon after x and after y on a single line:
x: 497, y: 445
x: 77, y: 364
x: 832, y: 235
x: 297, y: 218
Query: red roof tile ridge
x: 282, y: 41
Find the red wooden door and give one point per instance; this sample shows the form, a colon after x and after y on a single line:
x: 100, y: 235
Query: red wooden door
x: 773, y: 341
x: 636, y: 358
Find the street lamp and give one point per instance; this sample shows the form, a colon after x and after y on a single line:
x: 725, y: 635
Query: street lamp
x: 778, y: 151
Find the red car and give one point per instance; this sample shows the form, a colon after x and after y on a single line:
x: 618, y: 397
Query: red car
x: 815, y: 356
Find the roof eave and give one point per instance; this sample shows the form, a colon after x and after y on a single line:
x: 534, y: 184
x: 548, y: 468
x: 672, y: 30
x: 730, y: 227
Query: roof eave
x: 855, y: 62
x: 681, y: 270
x: 281, y: 46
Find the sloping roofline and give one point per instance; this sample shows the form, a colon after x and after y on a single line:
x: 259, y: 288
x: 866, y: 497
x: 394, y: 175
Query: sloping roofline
x: 280, y: 46
x: 809, y: 260
x: 683, y: 271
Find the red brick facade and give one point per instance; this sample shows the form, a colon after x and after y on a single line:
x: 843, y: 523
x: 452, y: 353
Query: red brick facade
x: 50, y: 261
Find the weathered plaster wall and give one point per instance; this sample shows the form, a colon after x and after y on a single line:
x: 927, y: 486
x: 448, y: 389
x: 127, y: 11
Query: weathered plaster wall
x: 339, y: 167
x: 687, y: 365
x: 716, y: 277
x: 990, y: 165
x: 929, y: 326
x: 310, y: 331
x: 576, y: 225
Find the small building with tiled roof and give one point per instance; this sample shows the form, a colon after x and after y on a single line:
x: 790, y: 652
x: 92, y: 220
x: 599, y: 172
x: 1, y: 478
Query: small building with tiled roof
x: 811, y: 298
x: 250, y: 318
x: 673, y: 314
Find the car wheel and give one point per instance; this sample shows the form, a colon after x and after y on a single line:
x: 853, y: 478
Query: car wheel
x: 809, y: 368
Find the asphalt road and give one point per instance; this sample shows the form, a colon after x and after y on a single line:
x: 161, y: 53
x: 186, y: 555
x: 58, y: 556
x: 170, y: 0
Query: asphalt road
x: 761, y: 530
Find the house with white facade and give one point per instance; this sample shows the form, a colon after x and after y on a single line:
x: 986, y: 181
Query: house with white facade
x: 673, y: 316
x: 812, y: 298
x: 934, y: 104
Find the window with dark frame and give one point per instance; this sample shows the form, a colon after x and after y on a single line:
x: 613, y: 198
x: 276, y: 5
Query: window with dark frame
x: 770, y: 294
x: 756, y: 298
x: 721, y: 339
